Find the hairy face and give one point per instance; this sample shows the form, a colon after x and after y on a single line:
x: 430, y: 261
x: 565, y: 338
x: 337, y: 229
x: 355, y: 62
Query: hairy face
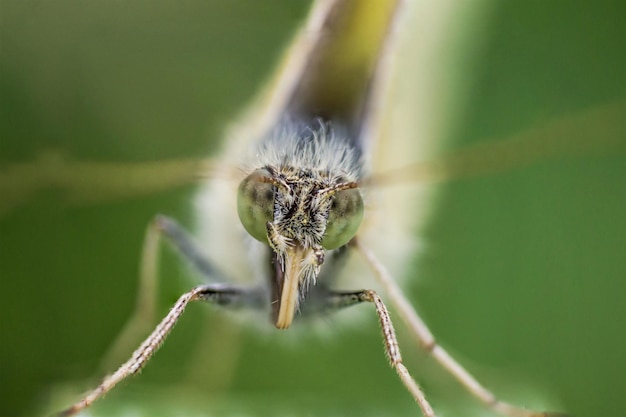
x: 301, y: 202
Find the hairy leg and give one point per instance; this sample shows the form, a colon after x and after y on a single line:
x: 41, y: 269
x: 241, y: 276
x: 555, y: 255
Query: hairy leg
x: 144, y: 313
x: 214, y: 293
x: 426, y: 341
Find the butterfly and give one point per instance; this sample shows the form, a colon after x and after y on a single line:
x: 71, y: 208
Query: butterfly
x: 406, y: 174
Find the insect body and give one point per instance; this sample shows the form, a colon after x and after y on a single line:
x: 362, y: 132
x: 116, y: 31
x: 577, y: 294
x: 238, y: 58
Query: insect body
x: 300, y: 198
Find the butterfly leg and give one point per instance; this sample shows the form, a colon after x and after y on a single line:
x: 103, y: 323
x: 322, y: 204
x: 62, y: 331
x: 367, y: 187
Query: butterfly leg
x: 336, y: 300
x: 218, y: 354
x: 220, y: 294
x: 144, y: 313
x: 427, y: 341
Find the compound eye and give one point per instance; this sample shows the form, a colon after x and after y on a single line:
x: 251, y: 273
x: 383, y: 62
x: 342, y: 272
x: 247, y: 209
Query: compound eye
x: 255, y: 203
x: 344, y: 218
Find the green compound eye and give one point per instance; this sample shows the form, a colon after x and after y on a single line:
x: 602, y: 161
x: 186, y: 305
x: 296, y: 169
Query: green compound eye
x: 344, y: 218
x: 255, y: 203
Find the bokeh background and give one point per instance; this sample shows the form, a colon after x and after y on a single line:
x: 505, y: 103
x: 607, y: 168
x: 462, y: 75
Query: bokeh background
x: 522, y: 273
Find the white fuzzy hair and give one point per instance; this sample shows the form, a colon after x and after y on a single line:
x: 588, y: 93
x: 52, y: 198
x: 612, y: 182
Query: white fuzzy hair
x: 319, y: 146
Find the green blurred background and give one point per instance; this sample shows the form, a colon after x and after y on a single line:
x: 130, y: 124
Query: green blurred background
x: 522, y: 275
